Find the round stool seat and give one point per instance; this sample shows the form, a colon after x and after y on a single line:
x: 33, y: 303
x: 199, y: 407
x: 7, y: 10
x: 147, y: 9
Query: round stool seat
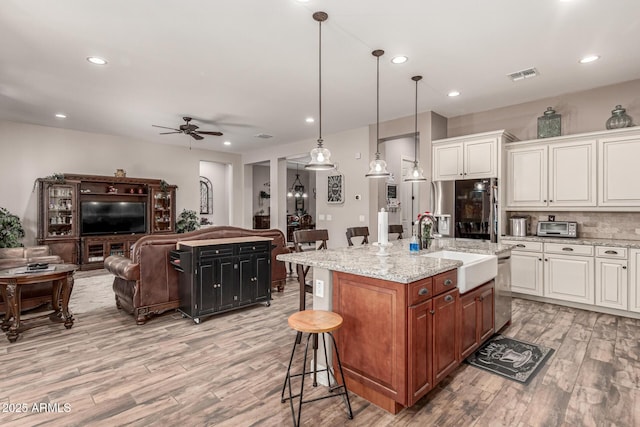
x: 315, y: 321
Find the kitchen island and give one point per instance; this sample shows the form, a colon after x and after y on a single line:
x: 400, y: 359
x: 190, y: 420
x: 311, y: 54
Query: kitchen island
x: 404, y: 324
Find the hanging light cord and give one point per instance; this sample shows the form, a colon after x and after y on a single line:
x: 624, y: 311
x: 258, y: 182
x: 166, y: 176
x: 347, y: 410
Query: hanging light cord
x: 378, y: 108
x: 319, y: 83
x: 415, y: 135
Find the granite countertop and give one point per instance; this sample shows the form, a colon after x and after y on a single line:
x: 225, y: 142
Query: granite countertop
x: 621, y: 243
x: 400, y: 266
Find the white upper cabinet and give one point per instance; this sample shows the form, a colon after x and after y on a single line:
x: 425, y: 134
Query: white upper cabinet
x: 572, y: 174
x: 468, y: 157
x: 594, y: 171
x: 527, y: 176
x: 618, y: 164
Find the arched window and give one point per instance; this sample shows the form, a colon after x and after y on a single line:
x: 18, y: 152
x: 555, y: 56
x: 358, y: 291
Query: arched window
x: 206, y: 196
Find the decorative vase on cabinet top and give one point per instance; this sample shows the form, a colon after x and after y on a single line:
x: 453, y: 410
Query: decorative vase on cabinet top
x: 619, y: 119
x: 549, y: 124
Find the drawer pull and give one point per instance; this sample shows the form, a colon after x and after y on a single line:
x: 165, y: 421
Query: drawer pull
x: 520, y: 245
x: 568, y: 249
x: 448, y: 298
x: 423, y: 291
x: 448, y: 282
x: 611, y: 252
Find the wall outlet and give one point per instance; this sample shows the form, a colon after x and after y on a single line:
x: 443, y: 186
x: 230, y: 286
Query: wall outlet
x: 361, y: 218
x: 358, y: 155
x: 329, y: 218
x: 319, y: 288
x: 321, y: 217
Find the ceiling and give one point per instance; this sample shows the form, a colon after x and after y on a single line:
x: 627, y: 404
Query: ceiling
x: 245, y: 67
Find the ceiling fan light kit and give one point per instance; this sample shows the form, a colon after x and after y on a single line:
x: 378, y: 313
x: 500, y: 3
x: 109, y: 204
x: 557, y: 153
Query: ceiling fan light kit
x: 378, y: 167
x: 320, y: 156
x: 415, y: 174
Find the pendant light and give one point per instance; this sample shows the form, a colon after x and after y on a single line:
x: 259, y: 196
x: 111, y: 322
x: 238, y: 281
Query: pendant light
x: 415, y: 174
x: 297, y: 189
x: 320, y: 156
x: 378, y: 167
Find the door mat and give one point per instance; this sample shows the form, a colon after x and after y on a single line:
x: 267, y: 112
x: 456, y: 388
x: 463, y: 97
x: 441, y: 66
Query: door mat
x: 517, y: 360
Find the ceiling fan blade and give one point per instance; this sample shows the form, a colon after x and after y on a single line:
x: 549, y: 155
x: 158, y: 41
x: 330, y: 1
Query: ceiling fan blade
x: 210, y: 133
x: 164, y: 127
x: 167, y: 133
x: 196, y: 136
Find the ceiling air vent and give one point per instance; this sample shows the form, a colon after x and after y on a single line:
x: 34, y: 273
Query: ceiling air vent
x: 263, y: 136
x: 523, y: 74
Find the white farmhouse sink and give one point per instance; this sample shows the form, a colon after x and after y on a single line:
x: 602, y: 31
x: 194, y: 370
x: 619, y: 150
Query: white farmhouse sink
x: 475, y: 270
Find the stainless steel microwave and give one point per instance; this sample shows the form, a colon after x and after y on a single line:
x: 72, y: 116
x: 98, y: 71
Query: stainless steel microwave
x: 558, y: 229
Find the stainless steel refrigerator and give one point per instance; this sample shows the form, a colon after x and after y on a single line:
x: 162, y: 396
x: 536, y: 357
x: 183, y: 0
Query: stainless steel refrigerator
x: 466, y: 209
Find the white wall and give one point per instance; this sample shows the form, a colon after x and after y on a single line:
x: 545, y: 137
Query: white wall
x: 218, y: 174
x: 29, y: 152
x: 260, y: 178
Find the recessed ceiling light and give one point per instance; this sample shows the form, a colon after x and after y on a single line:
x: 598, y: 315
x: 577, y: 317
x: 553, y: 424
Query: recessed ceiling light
x: 589, y: 58
x: 96, y: 60
x: 227, y: 143
x: 453, y: 93
x: 309, y: 120
x: 399, y: 59
x: 61, y: 116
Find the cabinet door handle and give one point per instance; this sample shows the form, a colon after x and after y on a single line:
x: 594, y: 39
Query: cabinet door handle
x: 460, y: 174
x: 432, y: 311
x: 423, y: 291
x: 545, y: 200
x: 539, y: 259
x: 568, y: 249
x: 624, y: 267
x: 520, y: 245
x: 611, y: 252
x: 550, y: 201
x: 447, y: 282
x: 546, y: 259
x: 448, y: 298
x: 480, y: 298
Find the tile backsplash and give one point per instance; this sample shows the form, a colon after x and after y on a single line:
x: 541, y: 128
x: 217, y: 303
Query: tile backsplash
x: 596, y: 225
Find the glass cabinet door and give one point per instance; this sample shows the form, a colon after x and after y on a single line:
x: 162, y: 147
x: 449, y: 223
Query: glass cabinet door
x: 59, y: 208
x: 162, y: 210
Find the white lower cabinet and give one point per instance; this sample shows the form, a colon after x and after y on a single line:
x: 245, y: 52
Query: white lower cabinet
x: 634, y: 280
x: 526, y: 273
x: 612, y: 277
x: 569, y: 278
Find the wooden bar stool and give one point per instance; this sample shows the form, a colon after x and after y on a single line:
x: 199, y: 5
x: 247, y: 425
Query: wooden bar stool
x: 315, y: 322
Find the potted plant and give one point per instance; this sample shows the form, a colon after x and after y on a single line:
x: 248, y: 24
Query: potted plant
x: 187, y: 221
x: 11, y: 230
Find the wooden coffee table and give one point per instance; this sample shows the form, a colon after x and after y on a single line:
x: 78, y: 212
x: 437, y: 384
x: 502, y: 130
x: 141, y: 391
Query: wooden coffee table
x: 11, y: 282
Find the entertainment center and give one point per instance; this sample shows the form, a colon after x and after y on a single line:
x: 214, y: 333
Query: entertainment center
x: 86, y: 218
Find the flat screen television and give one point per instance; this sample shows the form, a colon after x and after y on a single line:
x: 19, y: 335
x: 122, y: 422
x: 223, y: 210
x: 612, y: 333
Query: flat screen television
x: 112, y: 218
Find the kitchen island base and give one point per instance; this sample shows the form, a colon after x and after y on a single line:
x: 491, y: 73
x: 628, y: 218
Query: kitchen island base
x: 398, y: 341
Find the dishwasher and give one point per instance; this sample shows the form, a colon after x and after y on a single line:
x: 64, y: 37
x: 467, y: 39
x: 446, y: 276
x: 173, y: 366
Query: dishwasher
x: 502, y: 292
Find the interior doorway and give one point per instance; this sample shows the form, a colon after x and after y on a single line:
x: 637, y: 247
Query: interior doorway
x: 410, y: 196
x: 215, y: 192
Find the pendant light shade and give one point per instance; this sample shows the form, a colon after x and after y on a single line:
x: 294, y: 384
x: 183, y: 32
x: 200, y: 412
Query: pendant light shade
x: 320, y: 156
x: 378, y: 167
x: 415, y: 174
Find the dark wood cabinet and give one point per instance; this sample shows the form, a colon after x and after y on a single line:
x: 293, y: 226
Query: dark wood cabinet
x: 420, y: 350
x: 60, y: 214
x: 222, y: 274
x: 261, y: 222
x: 445, y: 358
x: 476, y: 318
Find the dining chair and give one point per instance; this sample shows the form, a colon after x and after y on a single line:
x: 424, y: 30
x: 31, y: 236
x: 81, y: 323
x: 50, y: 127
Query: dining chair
x: 396, y: 228
x: 358, y: 232
x: 305, y: 240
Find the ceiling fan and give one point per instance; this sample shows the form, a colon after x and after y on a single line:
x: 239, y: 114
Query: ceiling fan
x: 188, y: 129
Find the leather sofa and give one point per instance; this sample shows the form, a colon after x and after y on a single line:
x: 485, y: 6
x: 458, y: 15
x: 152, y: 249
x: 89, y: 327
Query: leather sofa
x: 34, y: 295
x: 147, y: 284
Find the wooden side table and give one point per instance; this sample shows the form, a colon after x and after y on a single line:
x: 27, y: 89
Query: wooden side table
x: 11, y: 282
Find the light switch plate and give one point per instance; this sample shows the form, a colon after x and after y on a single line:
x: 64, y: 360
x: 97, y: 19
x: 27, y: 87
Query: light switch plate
x: 321, y: 217
x: 329, y: 218
x: 361, y: 218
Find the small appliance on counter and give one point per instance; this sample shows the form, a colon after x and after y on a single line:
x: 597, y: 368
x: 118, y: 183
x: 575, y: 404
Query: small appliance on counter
x: 519, y: 225
x: 557, y: 229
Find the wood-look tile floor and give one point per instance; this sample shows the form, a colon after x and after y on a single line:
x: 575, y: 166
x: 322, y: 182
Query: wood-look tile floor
x: 228, y: 371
